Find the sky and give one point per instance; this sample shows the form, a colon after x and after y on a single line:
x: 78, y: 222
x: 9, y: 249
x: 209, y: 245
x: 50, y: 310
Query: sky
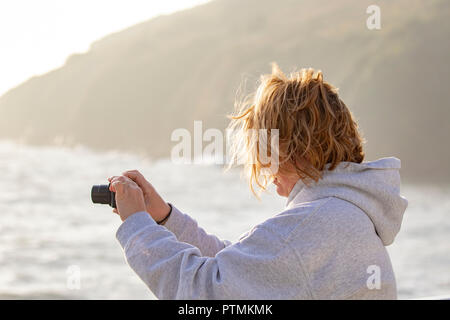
x: 38, y: 36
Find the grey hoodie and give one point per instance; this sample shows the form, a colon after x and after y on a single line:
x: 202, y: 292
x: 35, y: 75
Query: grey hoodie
x: 328, y: 243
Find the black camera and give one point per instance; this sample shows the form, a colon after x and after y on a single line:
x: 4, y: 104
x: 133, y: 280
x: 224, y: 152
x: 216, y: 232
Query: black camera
x: 101, y: 194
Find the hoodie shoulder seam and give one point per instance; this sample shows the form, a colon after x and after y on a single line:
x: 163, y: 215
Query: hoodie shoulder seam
x: 305, y: 273
x: 297, y: 254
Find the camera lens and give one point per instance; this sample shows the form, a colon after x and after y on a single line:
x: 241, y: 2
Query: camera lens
x: 101, y: 194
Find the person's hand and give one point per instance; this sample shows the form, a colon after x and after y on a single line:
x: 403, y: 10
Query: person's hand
x: 129, y: 197
x: 154, y: 204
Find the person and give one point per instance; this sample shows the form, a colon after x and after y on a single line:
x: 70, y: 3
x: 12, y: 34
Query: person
x: 328, y: 243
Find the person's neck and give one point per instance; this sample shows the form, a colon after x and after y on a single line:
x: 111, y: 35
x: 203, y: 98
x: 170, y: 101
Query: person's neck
x: 295, y: 190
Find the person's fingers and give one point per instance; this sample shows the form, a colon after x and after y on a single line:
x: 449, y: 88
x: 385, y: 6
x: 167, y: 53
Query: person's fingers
x: 137, y: 177
x: 110, y: 182
x: 121, y: 178
x: 120, y: 183
x: 117, y: 187
x: 133, y: 175
x: 115, y: 211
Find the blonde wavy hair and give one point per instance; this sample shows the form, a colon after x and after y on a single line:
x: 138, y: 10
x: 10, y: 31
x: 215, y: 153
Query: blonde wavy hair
x: 315, y: 127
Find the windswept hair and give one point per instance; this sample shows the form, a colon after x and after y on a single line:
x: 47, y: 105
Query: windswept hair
x: 315, y: 127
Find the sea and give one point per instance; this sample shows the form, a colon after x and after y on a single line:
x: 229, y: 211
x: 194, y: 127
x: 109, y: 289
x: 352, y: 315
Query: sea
x: 56, y: 244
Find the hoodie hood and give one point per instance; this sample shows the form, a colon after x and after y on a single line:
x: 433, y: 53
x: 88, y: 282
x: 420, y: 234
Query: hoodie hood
x: 372, y: 186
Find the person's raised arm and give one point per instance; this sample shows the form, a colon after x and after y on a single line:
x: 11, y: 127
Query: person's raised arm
x: 248, y: 269
x: 187, y: 230
x: 173, y: 269
x: 182, y: 225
